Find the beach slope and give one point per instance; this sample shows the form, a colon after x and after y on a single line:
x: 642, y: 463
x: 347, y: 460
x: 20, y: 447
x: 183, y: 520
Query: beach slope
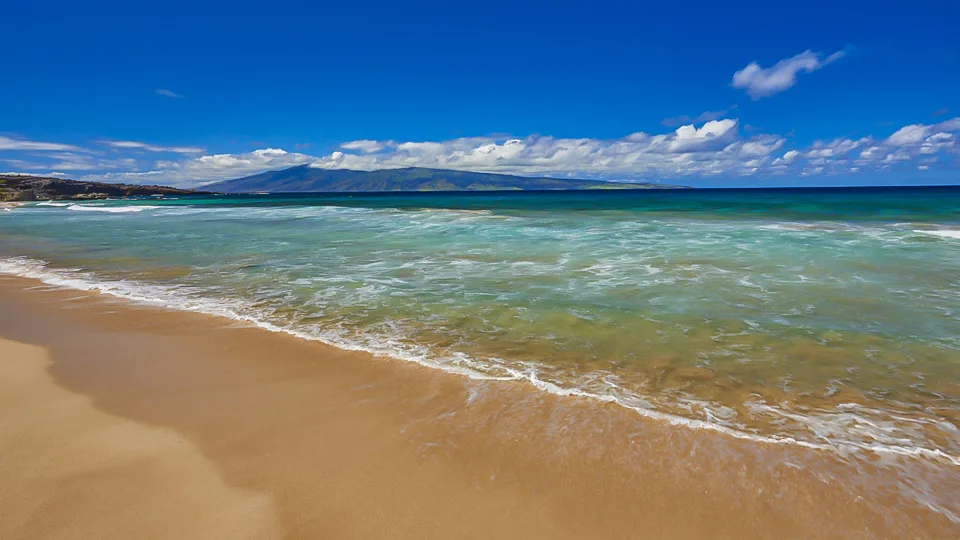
x: 122, y: 421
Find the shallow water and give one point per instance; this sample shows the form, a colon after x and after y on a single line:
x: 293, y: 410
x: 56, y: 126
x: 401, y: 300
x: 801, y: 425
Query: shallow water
x: 824, y: 318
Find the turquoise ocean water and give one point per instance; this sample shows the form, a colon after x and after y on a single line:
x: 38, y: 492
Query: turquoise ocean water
x: 822, y: 318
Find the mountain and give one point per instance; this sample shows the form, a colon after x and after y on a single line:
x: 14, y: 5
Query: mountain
x: 15, y: 187
x: 307, y: 179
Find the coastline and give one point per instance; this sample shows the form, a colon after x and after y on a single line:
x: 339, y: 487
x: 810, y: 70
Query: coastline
x: 345, y: 444
x: 168, y: 299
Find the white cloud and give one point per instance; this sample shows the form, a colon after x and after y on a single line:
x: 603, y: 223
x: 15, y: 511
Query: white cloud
x: 69, y: 161
x: 926, y: 143
x: 922, y: 139
x: 714, y: 148
x: 25, y: 165
x: 906, y: 135
x: 366, y: 146
x: 168, y: 93
x: 835, y: 148
x: 872, y: 152
x: 206, y: 169
x: 949, y: 125
x: 134, y: 145
x: 762, y: 146
x: 713, y: 134
x: 764, y: 82
x: 6, y: 143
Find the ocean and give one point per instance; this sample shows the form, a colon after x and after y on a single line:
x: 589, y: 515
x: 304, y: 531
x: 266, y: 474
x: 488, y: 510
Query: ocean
x: 824, y: 318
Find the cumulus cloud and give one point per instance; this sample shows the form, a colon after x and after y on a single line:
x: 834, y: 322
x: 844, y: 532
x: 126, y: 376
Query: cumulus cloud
x: 168, y: 93
x: 206, y: 169
x: 762, y: 82
x: 713, y: 135
x: 7, y: 143
x: 713, y: 148
x: 911, y: 142
x: 790, y: 156
x: 134, y: 145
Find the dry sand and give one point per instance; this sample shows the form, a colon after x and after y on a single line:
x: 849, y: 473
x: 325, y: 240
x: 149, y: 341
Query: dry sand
x: 133, y: 422
x: 72, y: 471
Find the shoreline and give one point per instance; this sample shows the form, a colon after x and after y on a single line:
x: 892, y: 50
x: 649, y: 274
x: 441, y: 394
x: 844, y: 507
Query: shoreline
x: 225, y: 311
x: 351, y: 445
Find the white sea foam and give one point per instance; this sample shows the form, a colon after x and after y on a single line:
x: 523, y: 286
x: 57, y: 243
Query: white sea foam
x: 181, y: 299
x: 943, y: 233
x: 108, y: 209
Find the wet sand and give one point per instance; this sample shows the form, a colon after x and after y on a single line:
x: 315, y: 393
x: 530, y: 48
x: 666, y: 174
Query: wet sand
x: 123, y: 421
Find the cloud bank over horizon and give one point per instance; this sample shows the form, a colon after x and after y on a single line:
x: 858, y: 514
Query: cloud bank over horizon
x: 716, y: 148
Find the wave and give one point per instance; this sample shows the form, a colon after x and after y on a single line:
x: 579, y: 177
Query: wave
x: 85, y: 207
x: 184, y: 299
x: 108, y: 209
x: 943, y: 233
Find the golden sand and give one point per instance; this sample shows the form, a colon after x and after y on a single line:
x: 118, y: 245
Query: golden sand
x: 72, y: 471
x: 133, y: 422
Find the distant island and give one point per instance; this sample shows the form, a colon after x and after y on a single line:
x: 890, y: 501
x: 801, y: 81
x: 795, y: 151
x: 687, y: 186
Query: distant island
x: 305, y: 179
x: 16, y: 188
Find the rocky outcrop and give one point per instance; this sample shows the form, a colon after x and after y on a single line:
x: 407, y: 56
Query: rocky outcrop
x: 40, y: 188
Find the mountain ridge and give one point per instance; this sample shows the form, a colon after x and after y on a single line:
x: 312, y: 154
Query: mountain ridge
x: 306, y: 179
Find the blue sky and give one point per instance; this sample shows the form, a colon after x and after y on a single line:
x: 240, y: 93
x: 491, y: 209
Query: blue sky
x: 700, y: 93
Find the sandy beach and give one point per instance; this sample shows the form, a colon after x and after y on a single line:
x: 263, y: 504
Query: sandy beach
x: 541, y: 271
x: 122, y: 421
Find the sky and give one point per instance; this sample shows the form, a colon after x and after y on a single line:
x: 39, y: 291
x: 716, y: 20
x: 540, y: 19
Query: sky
x: 710, y: 94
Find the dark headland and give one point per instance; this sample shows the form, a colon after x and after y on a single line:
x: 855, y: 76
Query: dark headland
x: 14, y: 188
